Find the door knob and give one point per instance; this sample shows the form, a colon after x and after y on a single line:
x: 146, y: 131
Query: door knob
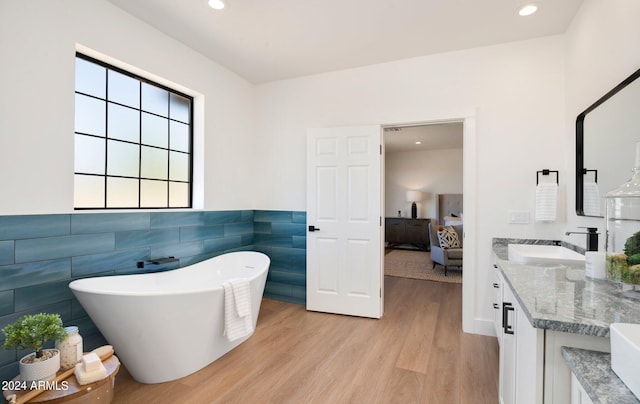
x: 313, y: 228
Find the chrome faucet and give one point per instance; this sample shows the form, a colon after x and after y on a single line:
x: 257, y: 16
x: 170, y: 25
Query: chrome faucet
x: 592, y: 237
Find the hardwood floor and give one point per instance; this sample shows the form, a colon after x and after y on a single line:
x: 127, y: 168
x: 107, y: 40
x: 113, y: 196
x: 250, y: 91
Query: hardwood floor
x: 417, y: 353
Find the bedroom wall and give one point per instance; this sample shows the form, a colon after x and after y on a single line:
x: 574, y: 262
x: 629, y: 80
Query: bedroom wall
x: 431, y: 171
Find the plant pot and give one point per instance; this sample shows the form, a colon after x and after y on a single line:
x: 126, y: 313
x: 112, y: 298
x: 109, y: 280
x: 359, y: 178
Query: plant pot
x: 40, y: 371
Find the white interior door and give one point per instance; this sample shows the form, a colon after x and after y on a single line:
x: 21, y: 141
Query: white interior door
x: 344, y: 219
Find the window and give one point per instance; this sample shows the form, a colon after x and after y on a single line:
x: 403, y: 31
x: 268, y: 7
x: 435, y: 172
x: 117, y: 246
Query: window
x: 133, y: 140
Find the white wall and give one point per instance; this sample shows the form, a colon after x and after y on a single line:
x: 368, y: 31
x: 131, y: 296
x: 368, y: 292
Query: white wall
x: 38, y: 43
x: 516, y: 92
x: 431, y: 171
x: 602, y: 50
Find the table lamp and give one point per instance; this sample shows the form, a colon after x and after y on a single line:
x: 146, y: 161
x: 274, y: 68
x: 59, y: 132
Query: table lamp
x: 413, y: 197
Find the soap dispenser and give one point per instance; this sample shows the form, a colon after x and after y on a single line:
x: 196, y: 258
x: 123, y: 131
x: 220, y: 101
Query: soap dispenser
x: 622, y: 219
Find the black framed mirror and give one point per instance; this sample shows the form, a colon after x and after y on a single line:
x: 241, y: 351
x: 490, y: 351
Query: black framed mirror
x: 606, y: 135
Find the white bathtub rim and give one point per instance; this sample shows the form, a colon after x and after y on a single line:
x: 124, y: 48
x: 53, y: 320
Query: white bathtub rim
x: 78, y: 284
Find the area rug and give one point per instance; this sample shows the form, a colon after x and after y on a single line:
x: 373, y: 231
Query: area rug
x: 417, y: 265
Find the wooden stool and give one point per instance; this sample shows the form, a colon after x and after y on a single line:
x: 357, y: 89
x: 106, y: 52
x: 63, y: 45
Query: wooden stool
x: 70, y: 392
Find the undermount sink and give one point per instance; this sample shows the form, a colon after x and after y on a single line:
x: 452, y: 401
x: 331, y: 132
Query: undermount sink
x: 543, y: 254
x: 625, y: 354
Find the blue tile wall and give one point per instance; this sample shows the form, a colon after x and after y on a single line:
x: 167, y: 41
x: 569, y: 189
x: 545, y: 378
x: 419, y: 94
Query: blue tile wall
x: 41, y: 254
x: 282, y: 236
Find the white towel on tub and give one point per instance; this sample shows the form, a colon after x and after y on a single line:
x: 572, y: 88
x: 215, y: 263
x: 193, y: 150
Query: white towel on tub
x: 237, y: 309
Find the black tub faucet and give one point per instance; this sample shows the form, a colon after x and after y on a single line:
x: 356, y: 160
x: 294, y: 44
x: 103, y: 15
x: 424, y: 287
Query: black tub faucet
x: 592, y: 237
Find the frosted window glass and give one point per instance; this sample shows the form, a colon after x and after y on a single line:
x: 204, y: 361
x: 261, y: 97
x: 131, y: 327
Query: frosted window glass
x: 178, y: 195
x: 155, y: 100
x: 89, y: 154
x: 124, y: 89
x: 123, y: 159
x: 132, y: 141
x: 90, y: 78
x: 153, y: 194
x: 124, y: 123
x: 90, y: 115
x: 155, y: 130
x: 88, y: 192
x: 154, y: 163
x: 179, y: 108
x: 179, y: 166
x: 179, y: 136
x: 122, y: 193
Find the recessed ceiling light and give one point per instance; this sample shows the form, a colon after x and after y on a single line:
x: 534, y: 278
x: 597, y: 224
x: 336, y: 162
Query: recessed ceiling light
x: 418, y: 142
x: 528, y: 9
x: 216, y: 4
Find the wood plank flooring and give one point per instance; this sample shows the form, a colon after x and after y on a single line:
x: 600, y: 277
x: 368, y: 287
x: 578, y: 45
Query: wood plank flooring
x: 417, y: 353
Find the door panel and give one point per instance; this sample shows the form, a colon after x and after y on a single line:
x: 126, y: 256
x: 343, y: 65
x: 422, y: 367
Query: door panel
x: 326, y: 191
x: 358, y: 265
x: 344, y: 204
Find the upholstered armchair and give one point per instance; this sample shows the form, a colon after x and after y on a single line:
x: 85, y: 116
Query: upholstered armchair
x: 446, y: 257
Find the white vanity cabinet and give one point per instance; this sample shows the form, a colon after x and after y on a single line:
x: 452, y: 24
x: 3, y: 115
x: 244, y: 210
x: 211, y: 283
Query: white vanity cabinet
x: 557, y: 375
x: 521, y: 353
x: 532, y: 369
x: 578, y: 394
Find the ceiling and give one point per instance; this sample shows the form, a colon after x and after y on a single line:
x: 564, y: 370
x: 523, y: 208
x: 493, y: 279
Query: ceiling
x: 431, y: 137
x: 267, y: 40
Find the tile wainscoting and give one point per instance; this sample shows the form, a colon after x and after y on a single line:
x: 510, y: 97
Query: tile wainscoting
x: 41, y: 254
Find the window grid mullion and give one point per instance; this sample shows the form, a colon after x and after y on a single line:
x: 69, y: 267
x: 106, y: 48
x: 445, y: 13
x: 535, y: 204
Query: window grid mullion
x: 139, y: 145
x: 168, y: 148
x: 107, y: 137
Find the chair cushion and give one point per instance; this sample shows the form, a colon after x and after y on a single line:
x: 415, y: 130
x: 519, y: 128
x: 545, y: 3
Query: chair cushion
x: 454, y: 254
x: 448, y: 237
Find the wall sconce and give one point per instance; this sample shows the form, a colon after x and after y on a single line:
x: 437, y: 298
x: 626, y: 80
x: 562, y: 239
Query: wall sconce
x: 413, y: 197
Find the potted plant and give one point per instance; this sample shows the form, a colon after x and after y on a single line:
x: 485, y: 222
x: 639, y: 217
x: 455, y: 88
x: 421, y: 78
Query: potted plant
x: 32, y: 332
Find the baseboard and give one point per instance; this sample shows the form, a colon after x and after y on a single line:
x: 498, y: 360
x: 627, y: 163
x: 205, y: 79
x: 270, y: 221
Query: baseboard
x: 482, y: 326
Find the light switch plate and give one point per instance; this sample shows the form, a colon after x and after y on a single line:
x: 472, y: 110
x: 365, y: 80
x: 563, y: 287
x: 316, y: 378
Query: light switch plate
x: 519, y: 216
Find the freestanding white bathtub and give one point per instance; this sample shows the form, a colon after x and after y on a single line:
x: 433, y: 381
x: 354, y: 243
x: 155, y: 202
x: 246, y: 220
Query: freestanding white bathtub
x: 167, y: 325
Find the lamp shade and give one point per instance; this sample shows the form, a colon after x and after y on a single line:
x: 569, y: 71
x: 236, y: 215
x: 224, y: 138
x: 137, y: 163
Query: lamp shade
x: 414, y: 196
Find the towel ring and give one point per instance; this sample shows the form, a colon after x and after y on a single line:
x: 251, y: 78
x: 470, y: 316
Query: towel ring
x: 546, y: 171
x: 595, y: 172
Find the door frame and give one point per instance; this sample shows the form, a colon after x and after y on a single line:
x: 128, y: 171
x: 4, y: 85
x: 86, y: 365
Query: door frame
x: 470, y: 323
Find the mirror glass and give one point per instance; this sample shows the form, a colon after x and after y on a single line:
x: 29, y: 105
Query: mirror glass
x: 606, y: 136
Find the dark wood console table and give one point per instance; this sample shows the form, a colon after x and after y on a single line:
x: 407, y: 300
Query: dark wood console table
x: 400, y: 230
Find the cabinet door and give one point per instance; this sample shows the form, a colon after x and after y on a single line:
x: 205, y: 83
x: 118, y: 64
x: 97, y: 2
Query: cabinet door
x: 521, y: 355
x: 578, y: 394
x: 417, y: 232
x: 508, y: 350
x: 529, y: 359
x: 394, y: 230
x: 557, y: 375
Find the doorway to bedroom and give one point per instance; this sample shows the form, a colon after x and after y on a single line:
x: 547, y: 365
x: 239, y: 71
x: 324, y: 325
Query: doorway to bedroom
x: 423, y: 190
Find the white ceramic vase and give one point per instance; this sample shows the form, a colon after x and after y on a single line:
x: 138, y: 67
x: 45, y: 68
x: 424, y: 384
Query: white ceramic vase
x: 40, y: 371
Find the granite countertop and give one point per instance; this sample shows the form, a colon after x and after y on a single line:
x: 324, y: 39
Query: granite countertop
x: 560, y: 298
x: 593, y: 371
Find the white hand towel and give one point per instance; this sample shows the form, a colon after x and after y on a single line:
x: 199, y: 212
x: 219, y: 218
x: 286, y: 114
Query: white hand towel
x: 241, y: 296
x: 546, y: 201
x: 591, y: 199
x: 237, y: 326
